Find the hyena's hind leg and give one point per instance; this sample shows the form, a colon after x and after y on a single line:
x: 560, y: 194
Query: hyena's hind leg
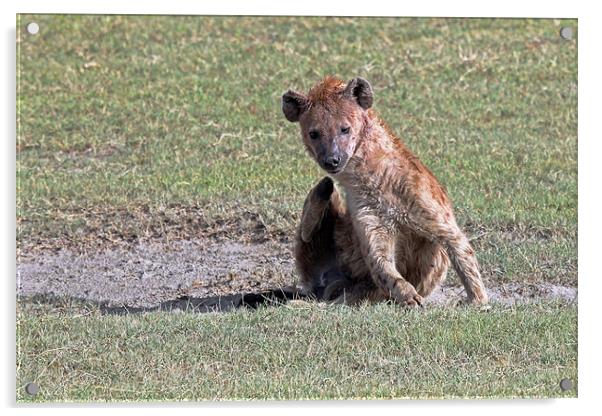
x: 429, y: 267
x: 315, y: 208
x: 315, y: 248
x: 461, y: 255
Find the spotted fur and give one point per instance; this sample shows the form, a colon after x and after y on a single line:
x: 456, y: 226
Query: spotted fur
x: 394, y: 233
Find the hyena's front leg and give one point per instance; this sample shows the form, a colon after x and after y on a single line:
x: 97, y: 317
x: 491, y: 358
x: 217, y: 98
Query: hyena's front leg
x: 378, y: 247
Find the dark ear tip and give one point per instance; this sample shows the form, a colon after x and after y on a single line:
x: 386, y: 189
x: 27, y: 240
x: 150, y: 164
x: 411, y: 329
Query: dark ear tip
x: 364, y: 82
x: 287, y: 95
x: 293, y: 96
x: 360, y: 82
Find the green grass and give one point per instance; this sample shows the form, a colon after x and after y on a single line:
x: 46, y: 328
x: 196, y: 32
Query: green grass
x: 305, y: 352
x: 124, y: 117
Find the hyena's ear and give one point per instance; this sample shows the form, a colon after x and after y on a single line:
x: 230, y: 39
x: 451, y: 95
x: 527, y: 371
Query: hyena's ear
x: 360, y: 90
x: 293, y: 105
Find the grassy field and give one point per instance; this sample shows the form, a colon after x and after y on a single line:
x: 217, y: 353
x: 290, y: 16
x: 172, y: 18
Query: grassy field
x: 158, y: 128
x: 286, y: 353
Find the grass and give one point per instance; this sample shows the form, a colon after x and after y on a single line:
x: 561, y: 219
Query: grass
x: 133, y: 116
x: 158, y: 127
x: 305, y: 352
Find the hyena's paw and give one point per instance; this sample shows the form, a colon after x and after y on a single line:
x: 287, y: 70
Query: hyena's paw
x: 324, y: 189
x: 406, y: 295
x: 480, y: 299
x: 481, y: 302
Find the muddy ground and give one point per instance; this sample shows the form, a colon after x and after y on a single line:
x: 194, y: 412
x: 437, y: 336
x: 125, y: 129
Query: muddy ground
x: 203, y: 274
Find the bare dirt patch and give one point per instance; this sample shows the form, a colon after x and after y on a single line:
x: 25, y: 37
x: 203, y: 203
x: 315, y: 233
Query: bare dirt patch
x: 204, y: 274
x: 150, y: 273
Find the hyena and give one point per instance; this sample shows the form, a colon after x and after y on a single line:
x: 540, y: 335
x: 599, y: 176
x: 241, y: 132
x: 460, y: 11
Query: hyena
x: 394, y: 233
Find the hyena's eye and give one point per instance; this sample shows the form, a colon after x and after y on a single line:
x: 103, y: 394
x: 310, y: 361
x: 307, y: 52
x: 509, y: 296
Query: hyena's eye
x: 314, y: 135
x: 345, y: 130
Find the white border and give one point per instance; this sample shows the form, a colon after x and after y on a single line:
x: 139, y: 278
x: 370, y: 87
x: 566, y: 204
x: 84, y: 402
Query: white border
x: 508, y: 8
x: 589, y: 170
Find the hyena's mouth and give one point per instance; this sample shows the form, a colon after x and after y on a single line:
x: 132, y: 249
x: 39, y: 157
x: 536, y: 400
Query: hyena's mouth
x: 334, y: 171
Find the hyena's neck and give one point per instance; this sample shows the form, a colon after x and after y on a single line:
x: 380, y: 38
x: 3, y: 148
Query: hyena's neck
x: 376, y: 155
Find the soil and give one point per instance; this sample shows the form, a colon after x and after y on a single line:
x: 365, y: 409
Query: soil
x: 204, y: 275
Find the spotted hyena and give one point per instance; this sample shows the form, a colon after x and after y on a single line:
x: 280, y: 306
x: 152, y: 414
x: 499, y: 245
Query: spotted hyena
x: 394, y: 233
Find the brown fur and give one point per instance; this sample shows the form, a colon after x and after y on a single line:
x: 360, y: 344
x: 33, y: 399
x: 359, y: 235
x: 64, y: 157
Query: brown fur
x: 394, y: 234
x: 324, y: 93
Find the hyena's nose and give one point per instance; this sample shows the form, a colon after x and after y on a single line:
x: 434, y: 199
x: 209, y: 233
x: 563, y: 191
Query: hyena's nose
x: 332, y: 162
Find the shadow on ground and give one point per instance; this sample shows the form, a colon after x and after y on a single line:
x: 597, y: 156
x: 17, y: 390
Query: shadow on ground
x: 189, y: 304
x: 226, y: 303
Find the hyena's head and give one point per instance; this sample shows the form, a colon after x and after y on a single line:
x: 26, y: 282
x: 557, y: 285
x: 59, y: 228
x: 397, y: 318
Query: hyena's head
x: 331, y: 116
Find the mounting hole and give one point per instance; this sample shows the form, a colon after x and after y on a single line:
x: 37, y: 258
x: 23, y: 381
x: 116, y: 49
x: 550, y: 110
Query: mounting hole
x: 33, y: 28
x: 32, y: 389
x: 566, y: 33
x: 566, y: 384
